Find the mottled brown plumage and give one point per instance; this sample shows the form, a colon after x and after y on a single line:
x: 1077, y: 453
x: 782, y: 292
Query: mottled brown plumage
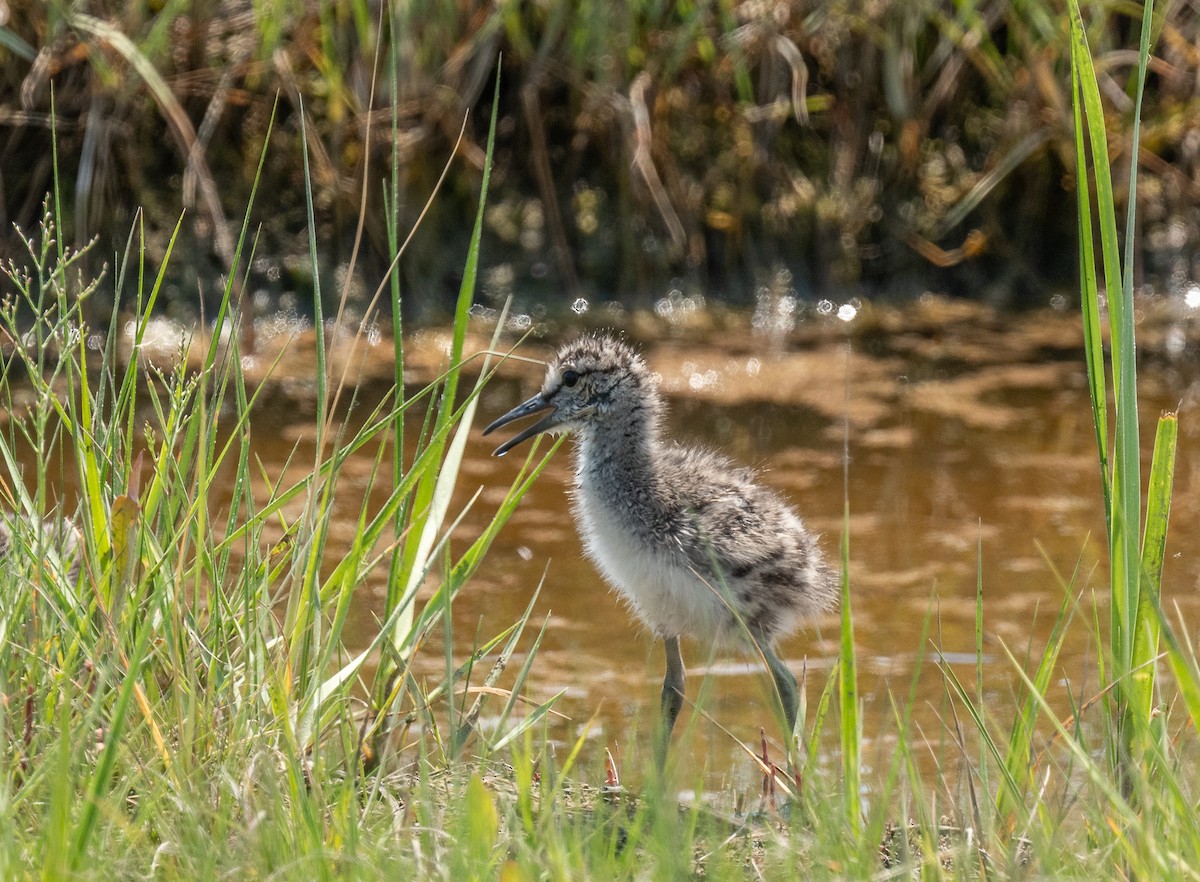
x: 691, y: 541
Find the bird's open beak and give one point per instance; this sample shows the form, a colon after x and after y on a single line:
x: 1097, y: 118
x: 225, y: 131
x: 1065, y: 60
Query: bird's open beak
x: 533, y: 405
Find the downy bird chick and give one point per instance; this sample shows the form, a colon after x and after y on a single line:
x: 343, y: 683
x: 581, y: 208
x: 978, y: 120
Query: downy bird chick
x: 691, y: 541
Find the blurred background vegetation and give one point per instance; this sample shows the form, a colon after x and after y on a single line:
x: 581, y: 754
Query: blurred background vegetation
x: 646, y: 149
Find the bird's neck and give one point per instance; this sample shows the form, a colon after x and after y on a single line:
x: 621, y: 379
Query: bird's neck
x: 612, y: 457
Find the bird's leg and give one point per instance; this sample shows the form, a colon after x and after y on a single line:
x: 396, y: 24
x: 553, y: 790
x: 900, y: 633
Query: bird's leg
x: 672, y: 697
x: 785, y: 683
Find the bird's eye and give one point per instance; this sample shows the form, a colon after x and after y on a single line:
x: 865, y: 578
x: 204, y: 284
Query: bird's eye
x: 570, y: 378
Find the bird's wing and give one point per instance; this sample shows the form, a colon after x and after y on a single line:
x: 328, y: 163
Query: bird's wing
x: 728, y: 524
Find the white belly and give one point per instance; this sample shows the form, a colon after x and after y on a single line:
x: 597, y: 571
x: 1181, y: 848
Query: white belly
x: 660, y: 589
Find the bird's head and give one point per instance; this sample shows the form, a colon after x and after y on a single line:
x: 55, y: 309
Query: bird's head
x: 590, y: 380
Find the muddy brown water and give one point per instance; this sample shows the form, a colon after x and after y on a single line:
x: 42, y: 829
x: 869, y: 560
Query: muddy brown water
x: 971, y: 460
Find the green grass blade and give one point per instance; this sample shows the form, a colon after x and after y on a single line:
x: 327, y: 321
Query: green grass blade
x: 1126, y: 564
x: 432, y: 494
x: 1093, y: 113
x: 1123, y: 572
x: 102, y: 775
x: 1130, y: 623
x: 851, y: 726
x: 1090, y: 301
x: 1182, y: 658
x: 1019, y: 754
x: 1154, y: 542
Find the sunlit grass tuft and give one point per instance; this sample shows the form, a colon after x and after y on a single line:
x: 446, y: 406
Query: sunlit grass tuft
x: 1135, y: 572
x: 187, y: 702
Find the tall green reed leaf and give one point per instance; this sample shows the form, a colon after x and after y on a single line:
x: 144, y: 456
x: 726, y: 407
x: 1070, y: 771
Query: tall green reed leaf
x: 848, y: 700
x: 429, y: 505
x: 1154, y: 543
x: 1121, y: 476
x: 847, y: 666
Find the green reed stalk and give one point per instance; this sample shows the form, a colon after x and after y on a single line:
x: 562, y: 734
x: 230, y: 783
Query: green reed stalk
x: 428, y: 503
x: 848, y: 698
x: 391, y: 203
x: 1134, y: 574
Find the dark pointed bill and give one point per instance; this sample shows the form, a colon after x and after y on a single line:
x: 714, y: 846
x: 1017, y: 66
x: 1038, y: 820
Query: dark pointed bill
x: 533, y: 405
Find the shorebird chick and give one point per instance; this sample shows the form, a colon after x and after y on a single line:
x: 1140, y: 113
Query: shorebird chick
x: 690, y: 541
